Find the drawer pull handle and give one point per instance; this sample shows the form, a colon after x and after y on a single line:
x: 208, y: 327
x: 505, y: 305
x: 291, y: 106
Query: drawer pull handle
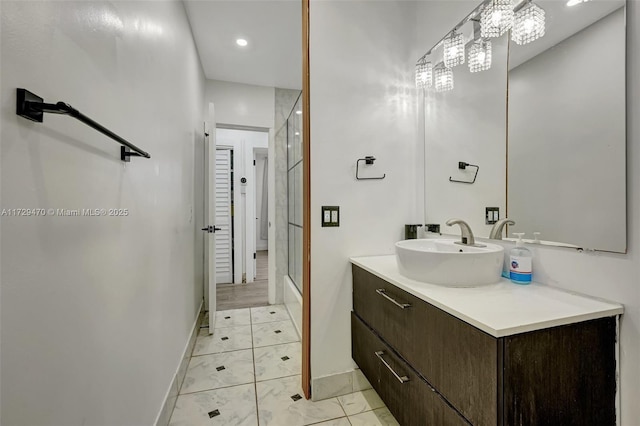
x: 382, y: 292
x: 401, y: 379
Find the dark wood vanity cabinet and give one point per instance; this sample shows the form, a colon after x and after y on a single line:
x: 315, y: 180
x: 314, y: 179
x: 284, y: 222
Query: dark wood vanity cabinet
x: 432, y: 368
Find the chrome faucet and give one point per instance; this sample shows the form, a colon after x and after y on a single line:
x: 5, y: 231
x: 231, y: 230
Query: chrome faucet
x: 467, y: 238
x: 496, y: 231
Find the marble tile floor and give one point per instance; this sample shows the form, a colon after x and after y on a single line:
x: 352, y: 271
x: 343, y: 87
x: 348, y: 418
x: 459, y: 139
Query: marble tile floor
x: 247, y: 373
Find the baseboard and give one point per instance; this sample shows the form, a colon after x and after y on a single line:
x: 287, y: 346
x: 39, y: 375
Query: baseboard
x: 176, y: 383
x: 338, y: 384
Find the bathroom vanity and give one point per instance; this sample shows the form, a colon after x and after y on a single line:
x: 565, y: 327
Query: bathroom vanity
x: 500, y: 354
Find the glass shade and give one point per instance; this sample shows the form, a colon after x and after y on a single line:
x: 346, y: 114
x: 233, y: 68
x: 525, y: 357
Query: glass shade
x: 529, y: 24
x: 496, y: 18
x: 444, y: 79
x: 480, y: 56
x: 424, y: 74
x: 453, y: 50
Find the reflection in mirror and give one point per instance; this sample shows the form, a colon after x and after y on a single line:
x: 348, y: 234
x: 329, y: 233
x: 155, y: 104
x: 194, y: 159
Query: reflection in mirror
x: 467, y: 124
x: 252, y: 55
x: 561, y: 95
x: 566, y: 102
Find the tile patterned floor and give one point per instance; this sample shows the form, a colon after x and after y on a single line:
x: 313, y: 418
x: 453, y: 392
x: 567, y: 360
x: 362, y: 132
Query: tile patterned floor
x: 269, y: 314
x: 274, y: 333
x: 247, y: 373
x: 223, y: 340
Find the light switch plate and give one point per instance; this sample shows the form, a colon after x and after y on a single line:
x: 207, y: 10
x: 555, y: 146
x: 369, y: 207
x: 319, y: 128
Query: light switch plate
x: 491, y: 215
x: 330, y: 216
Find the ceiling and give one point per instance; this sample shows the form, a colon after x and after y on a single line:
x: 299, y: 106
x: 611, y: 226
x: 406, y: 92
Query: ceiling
x: 273, y: 28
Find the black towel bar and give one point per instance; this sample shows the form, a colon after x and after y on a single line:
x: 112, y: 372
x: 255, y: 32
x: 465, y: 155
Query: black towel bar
x: 33, y: 107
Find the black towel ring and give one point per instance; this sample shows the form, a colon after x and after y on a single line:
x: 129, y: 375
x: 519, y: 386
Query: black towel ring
x: 369, y: 159
x: 462, y: 165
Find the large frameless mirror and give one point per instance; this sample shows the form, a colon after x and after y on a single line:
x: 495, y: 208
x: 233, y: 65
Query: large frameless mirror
x: 538, y: 131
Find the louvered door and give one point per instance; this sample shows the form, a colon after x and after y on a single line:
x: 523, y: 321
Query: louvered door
x: 224, y: 271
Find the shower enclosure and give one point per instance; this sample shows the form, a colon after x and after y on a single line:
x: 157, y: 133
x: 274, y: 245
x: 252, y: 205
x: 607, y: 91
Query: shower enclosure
x: 294, y: 191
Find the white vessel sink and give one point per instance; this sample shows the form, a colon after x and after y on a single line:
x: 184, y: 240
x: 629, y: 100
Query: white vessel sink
x: 443, y: 262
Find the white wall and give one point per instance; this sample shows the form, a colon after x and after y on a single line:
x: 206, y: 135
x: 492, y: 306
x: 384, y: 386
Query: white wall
x: 611, y: 276
x: 96, y: 311
x: 362, y: 103
x: 241, y: 104
x: 567, y: 128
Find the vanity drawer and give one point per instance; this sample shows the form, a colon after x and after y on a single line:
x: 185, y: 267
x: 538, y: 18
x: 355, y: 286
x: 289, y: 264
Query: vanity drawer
x: 409, y: 398
x: 459, y: 360
x: 564, y: 375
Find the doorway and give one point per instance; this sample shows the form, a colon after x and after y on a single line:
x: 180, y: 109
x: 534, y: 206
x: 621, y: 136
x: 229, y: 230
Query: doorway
x: 241, y: 202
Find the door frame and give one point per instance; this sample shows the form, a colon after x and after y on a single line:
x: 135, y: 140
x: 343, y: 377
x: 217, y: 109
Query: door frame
x: 306, y: 207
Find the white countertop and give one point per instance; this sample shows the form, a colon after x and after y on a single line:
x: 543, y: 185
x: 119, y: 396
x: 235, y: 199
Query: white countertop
x: 501, y: 309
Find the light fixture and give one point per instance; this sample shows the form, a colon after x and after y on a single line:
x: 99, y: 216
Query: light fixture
x: 453, y: 50
x: 575, y: 2
x: 424, y: 74
x: 299, y: 112
x: 529, y: 24
x: 241, y: 42
x: 443, y: 79
x: 496, y: 18
x: 480, y: 55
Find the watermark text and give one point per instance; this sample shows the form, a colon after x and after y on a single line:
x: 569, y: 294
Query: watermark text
x: 84, y: 212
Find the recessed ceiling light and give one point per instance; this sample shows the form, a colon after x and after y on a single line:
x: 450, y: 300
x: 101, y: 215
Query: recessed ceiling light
x: 241, y: 42
x: 298, y: 112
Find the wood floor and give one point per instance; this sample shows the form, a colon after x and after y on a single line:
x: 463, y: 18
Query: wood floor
x: 252, y: 295
x: 262, y: 265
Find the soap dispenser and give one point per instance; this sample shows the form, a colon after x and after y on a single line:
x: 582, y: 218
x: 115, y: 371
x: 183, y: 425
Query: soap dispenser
x: 520, y: 265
